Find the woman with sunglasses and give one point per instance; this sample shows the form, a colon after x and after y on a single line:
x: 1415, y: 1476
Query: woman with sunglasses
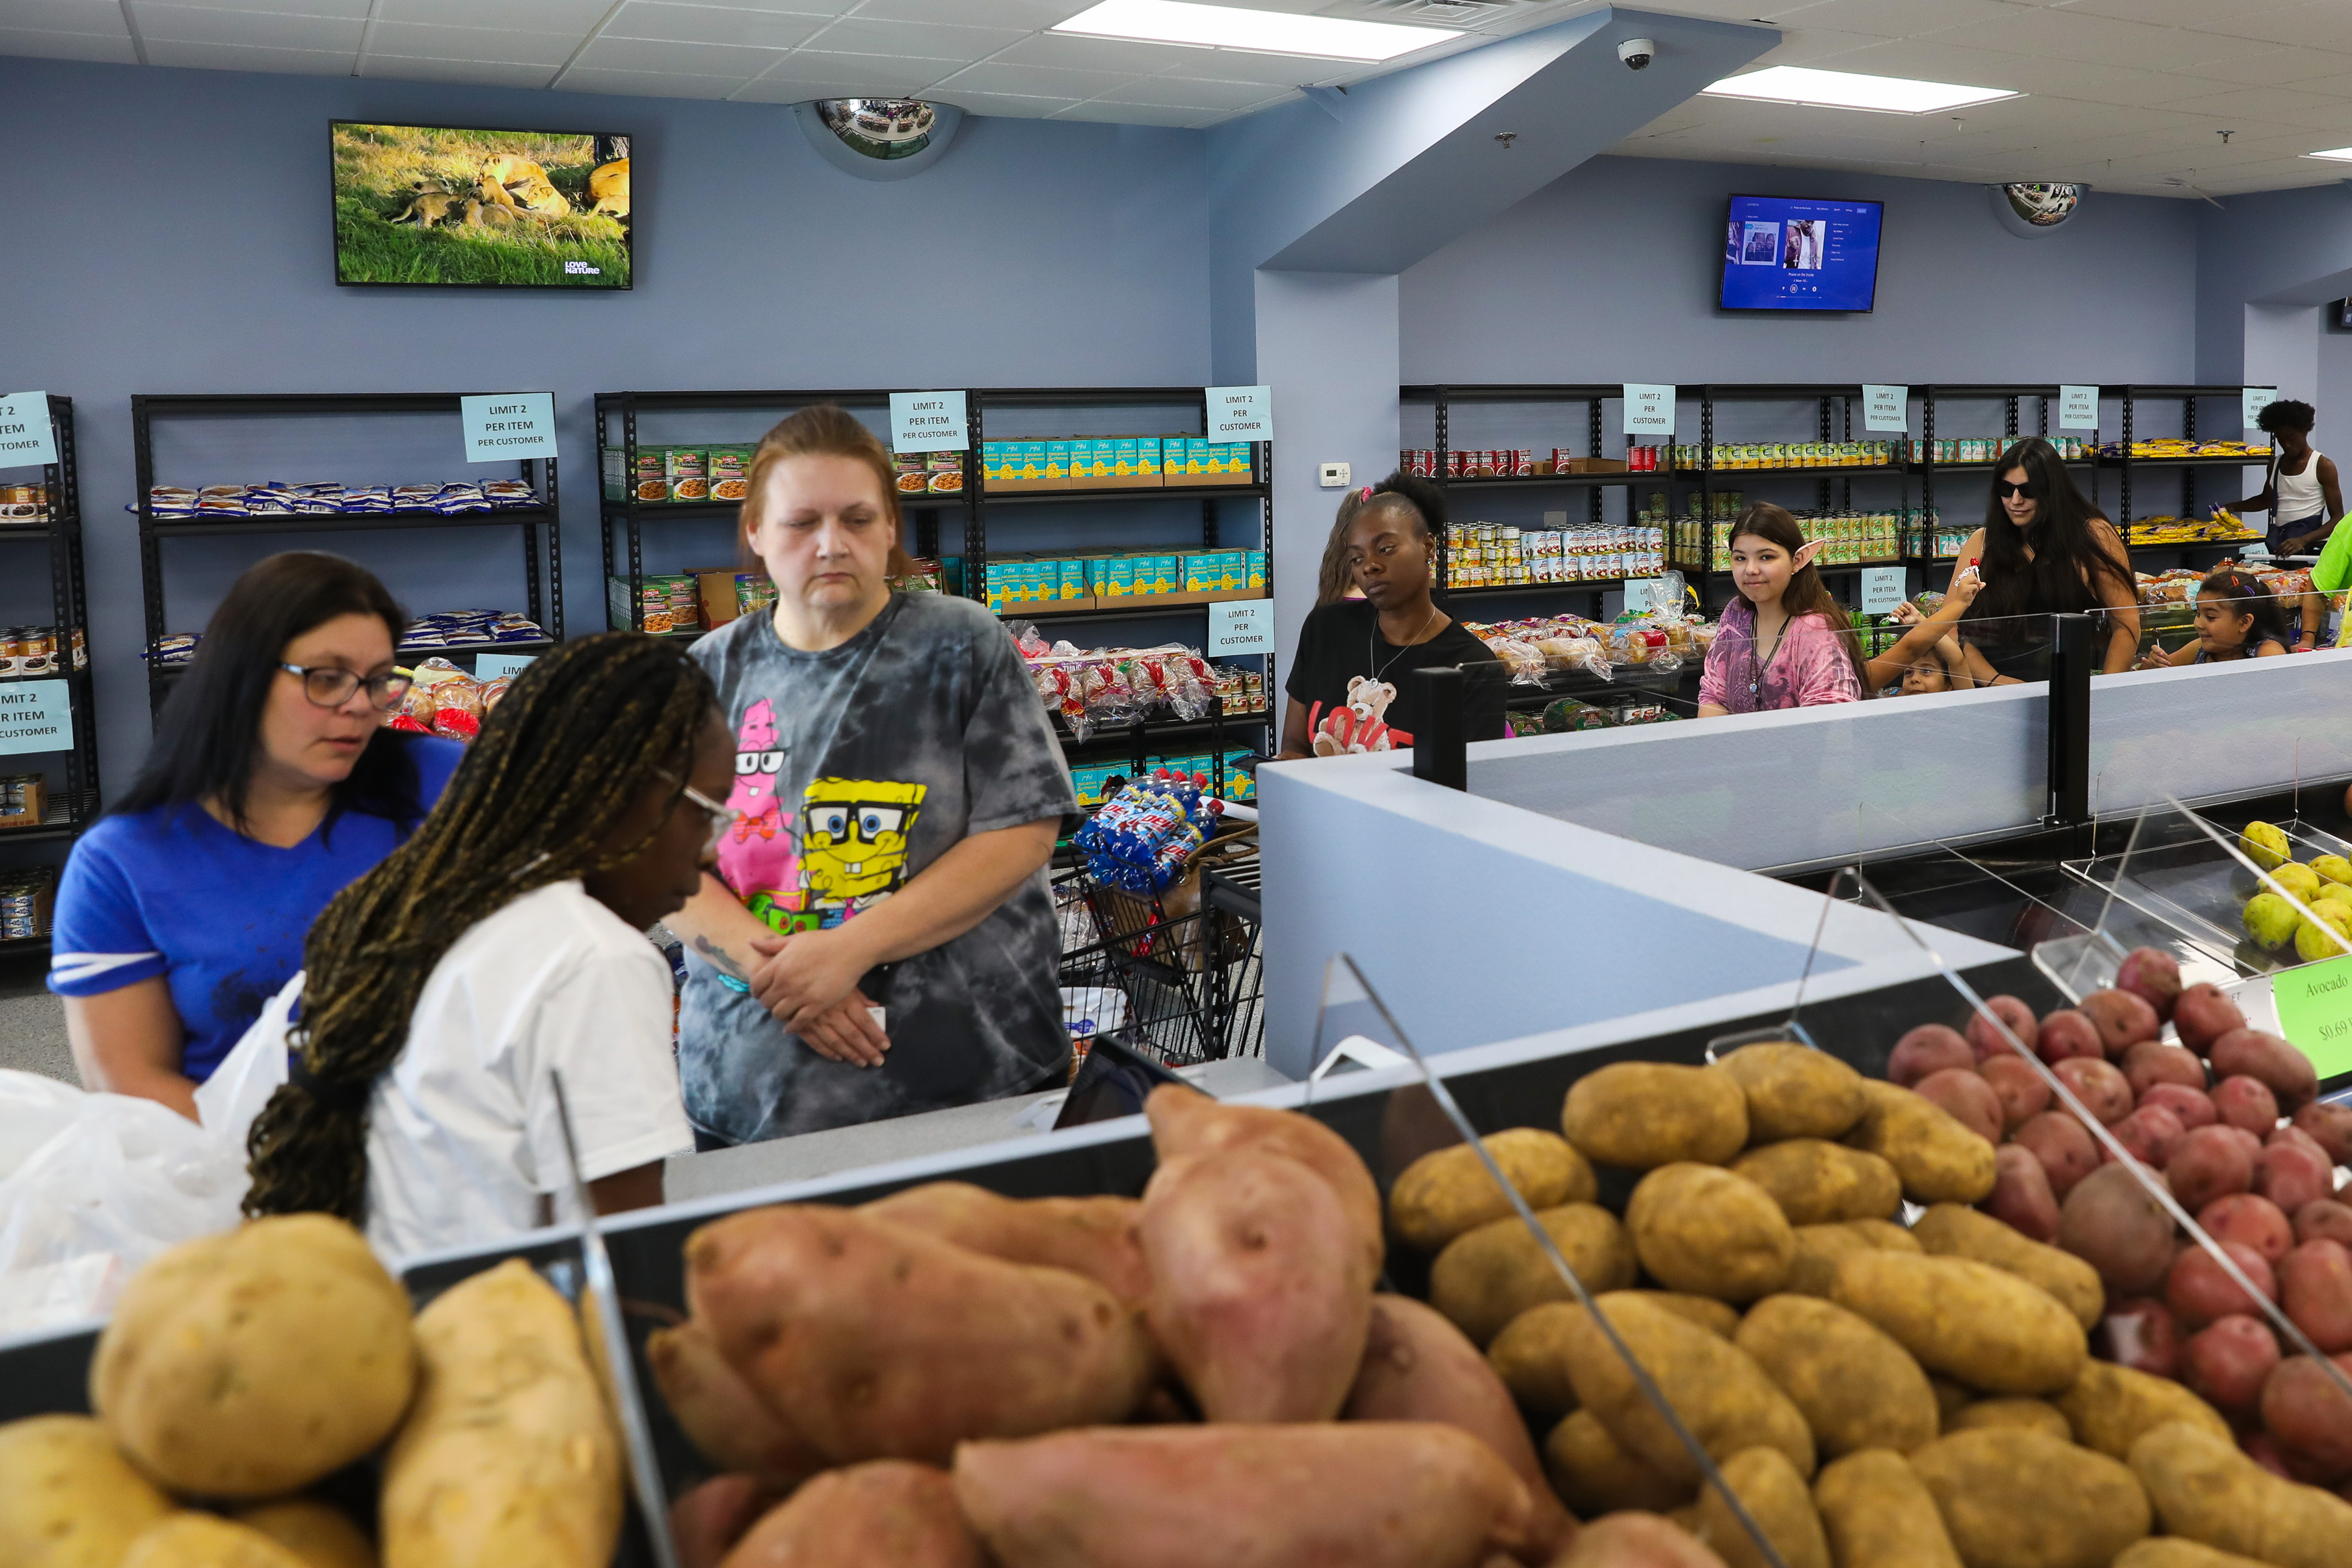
x: 2044, y: 550
x: 271, y: 785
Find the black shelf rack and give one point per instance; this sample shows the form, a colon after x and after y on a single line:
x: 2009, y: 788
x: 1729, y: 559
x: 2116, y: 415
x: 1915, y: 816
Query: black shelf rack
x: 938, y: 516
x: 2012, y: 398
x: 76, y: 806
x: 537, y: 523
x: 2126, y: 465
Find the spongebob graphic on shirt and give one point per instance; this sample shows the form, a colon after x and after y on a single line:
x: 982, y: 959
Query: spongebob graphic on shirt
x: 844, y: 850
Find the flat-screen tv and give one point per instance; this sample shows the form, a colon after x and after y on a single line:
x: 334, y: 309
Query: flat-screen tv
x: 1784, y: 253
x: 454, y: 207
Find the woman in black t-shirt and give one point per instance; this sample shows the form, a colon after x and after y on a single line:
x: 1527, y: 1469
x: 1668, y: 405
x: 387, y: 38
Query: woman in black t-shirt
x: 1348, y: 688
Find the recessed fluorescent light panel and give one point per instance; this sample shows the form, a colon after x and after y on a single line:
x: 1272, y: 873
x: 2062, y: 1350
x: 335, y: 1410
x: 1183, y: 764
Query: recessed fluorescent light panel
x: 1261, y: 32
x: 1850, y: 89
x: 2341, y: 154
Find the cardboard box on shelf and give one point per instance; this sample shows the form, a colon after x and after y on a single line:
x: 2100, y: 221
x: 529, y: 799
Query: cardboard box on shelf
x: 726, y: 594
x: 1128, y: 468
x: 28, y: 793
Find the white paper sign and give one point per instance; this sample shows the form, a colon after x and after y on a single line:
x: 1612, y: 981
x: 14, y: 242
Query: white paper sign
x: 1240, y: 413
x: 36, y: 716
x: 24, y: 437
x: 490, y: 666
x: 1883, y: 588
x: 2256, y: 399
x: 1649, y: 408
x: 928, y: 422
x: 1241, y: 626
x: 1887, y: 408
x: 2078, y: 408
x: 503, y: 427
x: 1643, y: 594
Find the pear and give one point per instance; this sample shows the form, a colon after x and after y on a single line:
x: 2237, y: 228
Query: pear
x: 2264, y: 845
x: 2299, y: 881
x: 2334, y: 893
x: 2312, y: 943
x: 2270, y: 920
x: 2334, y: 868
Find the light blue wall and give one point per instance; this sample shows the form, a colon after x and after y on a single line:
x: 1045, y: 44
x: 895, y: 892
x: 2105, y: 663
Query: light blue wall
x: 171, y: 233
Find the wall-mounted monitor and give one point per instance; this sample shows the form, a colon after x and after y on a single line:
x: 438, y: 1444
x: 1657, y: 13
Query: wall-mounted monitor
x: 448, y: 206
x: 1787, y: 252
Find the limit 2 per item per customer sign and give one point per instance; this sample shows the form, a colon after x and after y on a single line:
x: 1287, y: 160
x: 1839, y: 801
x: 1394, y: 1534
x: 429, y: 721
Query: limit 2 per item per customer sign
x: 35, y: 715
x: 25, y: 434
x: 1240, y: 413
x: 928, y: 422
x: 1649, y: 408
x: 503, y: 427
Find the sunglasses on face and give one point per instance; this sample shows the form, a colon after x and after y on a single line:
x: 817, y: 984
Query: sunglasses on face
x: 2002, y: 490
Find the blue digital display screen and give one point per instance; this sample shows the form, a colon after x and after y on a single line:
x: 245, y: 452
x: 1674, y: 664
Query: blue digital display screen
x: 1784, y: 253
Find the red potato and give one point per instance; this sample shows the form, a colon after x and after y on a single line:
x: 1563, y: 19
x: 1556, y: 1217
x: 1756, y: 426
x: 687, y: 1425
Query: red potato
x: 1371, y: 1494
x: 2288, y: 1132
x: 2203, y: 1015
x: 2329, y: 1124
x: 1091, y: 1235
x: 2151, y: 1133
x: 2154, y: 976
x: 707, y: 1522
x: 2115, y: 1225
x: 720, y: 1415
x: 2067, y: 1153
x: 2193, y: 1106
x: 2251, y: 1221
x: 2264, y: 1449
x: 2290, y: 1175
x: 1628, y: 1540
x: 2199, y: 1291
x: 2316, y: 1289
x: 2210, y: 1162
x: 2240, y: 1100
x: 2228, y: 1361
x: 2022, y: 1091
x: 1986, y: 1040
x: 1418, y: 1367
x: 2140, y: 1333
x: 2099, y: 1085
x: 2022, y: 1197
x: 2242, y: 1139
x: 2286, y: 1071
x: 2325, y: 1220
x: 1926, y: 1051
x: 886, y: 1512
x: 1259, y: 1296
x: 2066, y: 1034
x: 2149, y: 1062
x: 1967, y: 1098
x: 1187, y: 1122
x: 2310, y: 1417
x: 2123, y: 1020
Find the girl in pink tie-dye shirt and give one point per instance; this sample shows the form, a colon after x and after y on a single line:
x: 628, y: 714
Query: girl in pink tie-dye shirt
x: 1784, y: 641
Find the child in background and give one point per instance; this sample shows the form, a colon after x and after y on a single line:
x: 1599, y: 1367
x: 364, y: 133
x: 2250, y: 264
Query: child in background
x: 1784, y: 643
x: 2235, y: 620
x: 1928, y: 657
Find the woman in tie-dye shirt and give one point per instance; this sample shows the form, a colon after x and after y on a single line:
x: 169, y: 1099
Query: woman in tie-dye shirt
x: 1784, y: 641
x: 879, y: 939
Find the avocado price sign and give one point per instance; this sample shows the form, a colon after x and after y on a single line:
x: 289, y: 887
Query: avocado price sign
x: 2314, y: 1011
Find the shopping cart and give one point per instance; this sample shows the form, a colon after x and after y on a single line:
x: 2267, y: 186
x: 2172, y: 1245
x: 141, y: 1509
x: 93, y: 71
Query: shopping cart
x: 1177, y: 971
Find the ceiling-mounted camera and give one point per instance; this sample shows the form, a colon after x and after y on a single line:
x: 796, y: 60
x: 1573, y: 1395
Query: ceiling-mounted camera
x: 1637, y: 52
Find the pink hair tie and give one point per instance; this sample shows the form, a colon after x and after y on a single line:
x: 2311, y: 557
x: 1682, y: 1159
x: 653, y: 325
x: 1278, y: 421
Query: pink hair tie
x: 1366, y: 496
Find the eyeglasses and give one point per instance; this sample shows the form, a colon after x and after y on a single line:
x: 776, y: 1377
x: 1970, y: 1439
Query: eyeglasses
x: 722, y: 817
x: 330, y: 687
x: 2002, y: 490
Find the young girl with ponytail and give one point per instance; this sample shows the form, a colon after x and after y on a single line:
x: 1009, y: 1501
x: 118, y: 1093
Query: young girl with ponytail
x: 1784, y: 641
x: 443, y: 991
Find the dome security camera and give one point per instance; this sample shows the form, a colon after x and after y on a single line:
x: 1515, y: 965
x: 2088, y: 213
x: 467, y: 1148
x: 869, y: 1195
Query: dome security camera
x: 1637, y: 52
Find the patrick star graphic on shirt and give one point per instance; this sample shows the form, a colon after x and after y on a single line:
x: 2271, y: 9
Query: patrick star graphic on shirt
x: 756, y: 855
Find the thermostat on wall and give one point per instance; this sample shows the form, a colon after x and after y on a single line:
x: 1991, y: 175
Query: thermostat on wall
x: 1336, y: 476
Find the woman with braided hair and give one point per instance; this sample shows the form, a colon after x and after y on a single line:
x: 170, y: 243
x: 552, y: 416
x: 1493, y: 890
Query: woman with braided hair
x: 502, y: 945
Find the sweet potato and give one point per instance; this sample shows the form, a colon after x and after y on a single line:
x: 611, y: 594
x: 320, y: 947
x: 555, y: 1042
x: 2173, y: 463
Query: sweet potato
x: 707, y: 1520
x: 2149, y: 1062
x: 2228, y: 1361
x: 2241, y: 1101
x: 2021, y: 1198
x: 2193, y: 1106
x: 67, y: 1497
x: 1927, y: 1049
x: 2198, y: 1290
x: 2210, y: 1162
x: 1644, y: 1114
x: 2204, y: 1490
x: 1371, y: 1494
x: 2292, y: 1174
x: 2286, y: 1071
x: 2150, y: 1135
x: 2204, y: 1014
x: 1712, y: 1232
x: 2309, y: 1414
x: 2314, y: 1283
x: 1186, y: 1122
x: 2020, y: 1090
x: 1593, y: 1472
x: 2116, y: 1225
x: 2323, y: 1220
x: 1091, y: 1235
x: 1855, y: 1387
x: 1986, y: 1040
x: 2020, y: 1497
x: 2121, y: 1020
x: 2067, y: 1153
x: 875, y: 1341
x: 204, y: 1540
x: 2099, y: 1085
x: 2140, y: 1333
x: 1964, y: 1095
x: 2250, y: 1220
x: 1418, y: 1367
x: 2108, y: 1407
x: 1449, y: 1191
x: 729, y: 1424
x: 1939, y: 1160
x: 1971, y: 1320
x: 886, y: 1511
x: 1636, y: 1540
x: 2031, y: 1415
x: 1721, y: 1394
x: 1877, y: 1513
x: 317, y: 1534
x: 1818, y: 1183
x: 2067, y: 1034
x: 1794, y: 1090
x: 1488, y: 1276
x: 1950, y: 1231
x: 508, y: 1460
x: 1777, y: 1501
x: 2329, y: 1123
x: 250, y: 1364
x: 2154, y: 976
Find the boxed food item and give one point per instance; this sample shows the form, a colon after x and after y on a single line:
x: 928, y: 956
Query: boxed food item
x: 23, y: 801
x: 726, y: 594
x: 686, y: 469
x: 944, y: 473
x: 28, y: 898
x: 731, y: 473
x: 1113, y: 577
x: 1128, y: 465
x: 666, y: 602
x: 909, y: 474
x: 1057, y: 464
x: 1091, y: 461
x: 1071, y: 585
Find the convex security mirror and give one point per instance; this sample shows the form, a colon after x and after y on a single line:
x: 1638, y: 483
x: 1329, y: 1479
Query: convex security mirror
x: 878, y: 138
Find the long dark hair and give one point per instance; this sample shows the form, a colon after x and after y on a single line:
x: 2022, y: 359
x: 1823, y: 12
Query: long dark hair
x: 2063, y: 575
x: 581, y: 736
x: 206, y: 740
x: 1332, y: 582
x: 1806, y: 594
x: 2270, y: 621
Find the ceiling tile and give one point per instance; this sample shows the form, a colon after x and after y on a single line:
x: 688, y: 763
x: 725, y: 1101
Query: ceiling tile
x: 864, y: 35
x: 572, y: 16
x: 780, y: 88
x: 731, y: 60
x: 472, y: 72
x: 1817, y: 47
x: 710, y: 25
x: 1280, y: 70
x: 68, y: 46
x: 1890, y: 18
x: 1016, y: 13
x: 242, y: 58
x: 2264, y: 102
x: 355, y: 10
x: 1014, y: 106
x: 2098, y: 41
x: 1185, y: 92
x: 100, y: 19
x: 202, y: 24
x: 2200, y: 14
x: 2325, y: 26
x: 646, y: 84
x: 867, y: 74
x: 1105, y: 113
x: 1035, y: 82
x: 422, y: 41
x: 1071, y: 53
x: 2281, y: 66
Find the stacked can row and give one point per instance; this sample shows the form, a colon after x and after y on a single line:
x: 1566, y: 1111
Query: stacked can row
x: 1490, y: 555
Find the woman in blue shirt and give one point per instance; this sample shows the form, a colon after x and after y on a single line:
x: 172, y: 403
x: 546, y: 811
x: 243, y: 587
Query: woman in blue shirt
x: 270, y: 787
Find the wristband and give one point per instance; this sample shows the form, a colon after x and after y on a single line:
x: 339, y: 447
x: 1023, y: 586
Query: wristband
x: 740, y: 988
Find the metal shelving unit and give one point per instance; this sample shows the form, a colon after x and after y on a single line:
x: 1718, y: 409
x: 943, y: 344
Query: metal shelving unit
x: 539, y: 524
x: 2126, y: 465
